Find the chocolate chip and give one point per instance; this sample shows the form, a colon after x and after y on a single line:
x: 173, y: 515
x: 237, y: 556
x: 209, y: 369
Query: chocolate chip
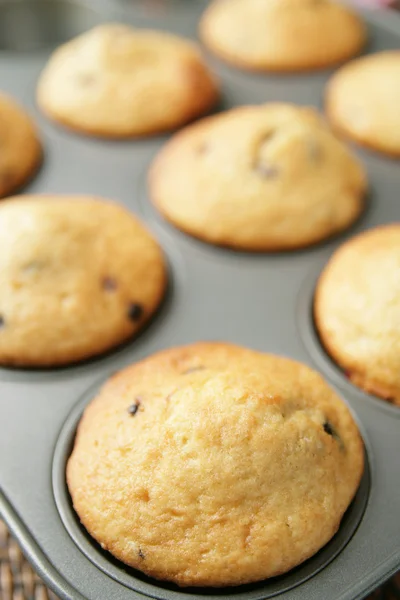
x: 330, y: 430
x: 141, y: 554
x: 132, y: 410
x: 109, y: 284
x: 33, y: 266
x: 85, y: 79
x: 267, y: 137
x: 314, y: 150
x: 135, y: 311
x: 2, y: 321
x: 267, y: 170
x: 193, y: 370
x: 261, y: 164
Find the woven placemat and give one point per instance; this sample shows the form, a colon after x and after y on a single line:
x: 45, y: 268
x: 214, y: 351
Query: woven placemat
x: 18, y: 581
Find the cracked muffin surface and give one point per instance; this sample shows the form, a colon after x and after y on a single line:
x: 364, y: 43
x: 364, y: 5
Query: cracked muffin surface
x: 78, y: 275
x: 357, y: 310
x: 214, y: 465
x: 268, y: 177
x: 118, y: 81
x: 282, y: 35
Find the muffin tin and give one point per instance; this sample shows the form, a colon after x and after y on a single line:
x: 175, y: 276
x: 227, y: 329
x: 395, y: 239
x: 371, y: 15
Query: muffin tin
x: 263, y: 301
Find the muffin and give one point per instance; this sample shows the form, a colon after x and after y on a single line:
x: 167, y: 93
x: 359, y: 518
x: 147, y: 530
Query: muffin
x: 78, y: 276
x: 214, y: 465
x: 282, y: 35
x: 117, y: 81
x: 269, y: 177
x: 357, y: 310
x: 362, y: 101
x: 21, y: 151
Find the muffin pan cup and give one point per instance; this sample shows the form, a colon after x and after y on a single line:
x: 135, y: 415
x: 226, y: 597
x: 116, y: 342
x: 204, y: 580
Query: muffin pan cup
x: 263, y: 301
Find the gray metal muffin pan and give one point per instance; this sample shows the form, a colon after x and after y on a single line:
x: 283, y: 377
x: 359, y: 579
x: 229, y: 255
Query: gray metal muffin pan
x: 263, y: 301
